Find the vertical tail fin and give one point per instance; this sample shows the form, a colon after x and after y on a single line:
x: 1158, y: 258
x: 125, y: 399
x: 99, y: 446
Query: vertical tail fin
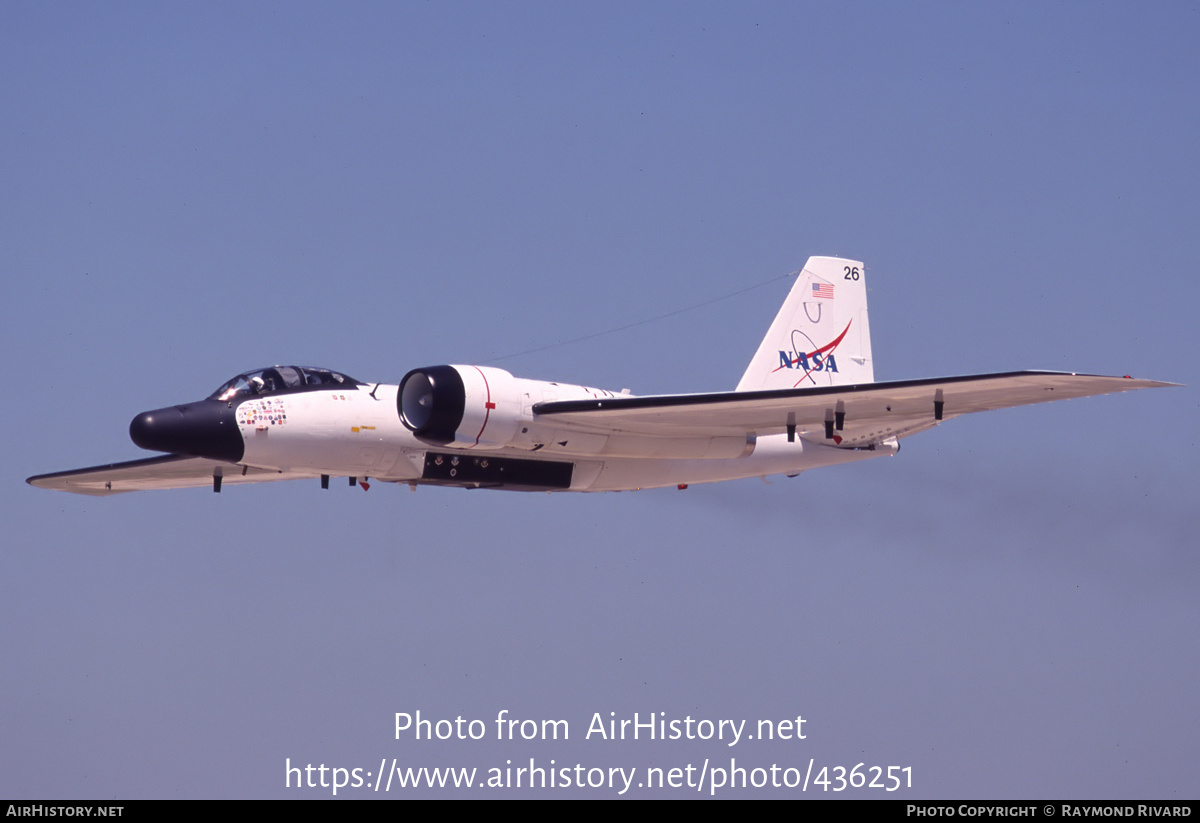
x: 820, y: 336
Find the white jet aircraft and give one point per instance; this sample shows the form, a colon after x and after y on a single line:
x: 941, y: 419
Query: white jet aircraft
x: 807, y: 399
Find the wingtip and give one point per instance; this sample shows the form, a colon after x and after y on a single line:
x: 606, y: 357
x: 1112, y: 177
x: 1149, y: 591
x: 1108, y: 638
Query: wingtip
x: 1156, y: 384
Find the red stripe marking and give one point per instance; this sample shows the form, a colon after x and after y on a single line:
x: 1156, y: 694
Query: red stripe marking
x: 488, y: 405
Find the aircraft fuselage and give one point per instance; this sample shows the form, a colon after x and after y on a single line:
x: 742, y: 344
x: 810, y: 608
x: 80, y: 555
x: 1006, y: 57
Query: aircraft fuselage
x: 360, y: 430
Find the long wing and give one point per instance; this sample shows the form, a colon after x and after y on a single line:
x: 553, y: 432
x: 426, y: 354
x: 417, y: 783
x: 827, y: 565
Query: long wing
x: 171, y: 471
x: 847, y: 416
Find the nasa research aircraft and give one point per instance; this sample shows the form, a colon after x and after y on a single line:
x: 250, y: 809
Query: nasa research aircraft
x: 808, y: 399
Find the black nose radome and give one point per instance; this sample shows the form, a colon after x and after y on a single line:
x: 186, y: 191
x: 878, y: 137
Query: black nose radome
x: 205, y: 429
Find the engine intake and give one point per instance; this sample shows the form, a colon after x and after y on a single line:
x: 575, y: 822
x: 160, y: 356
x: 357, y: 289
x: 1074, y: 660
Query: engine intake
x: 462, y: 406
x: 431, y: 402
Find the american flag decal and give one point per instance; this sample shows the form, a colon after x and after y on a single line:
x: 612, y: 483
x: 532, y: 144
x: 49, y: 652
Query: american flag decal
x: 822, y: 289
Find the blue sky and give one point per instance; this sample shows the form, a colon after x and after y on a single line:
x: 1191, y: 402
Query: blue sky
x: 1008, y: 606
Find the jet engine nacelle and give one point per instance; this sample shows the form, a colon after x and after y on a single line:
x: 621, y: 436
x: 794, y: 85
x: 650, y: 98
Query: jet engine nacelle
x: 460, y: 406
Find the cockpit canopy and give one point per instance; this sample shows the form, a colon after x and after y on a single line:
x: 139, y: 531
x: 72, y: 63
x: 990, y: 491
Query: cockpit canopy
x: 282, y: 380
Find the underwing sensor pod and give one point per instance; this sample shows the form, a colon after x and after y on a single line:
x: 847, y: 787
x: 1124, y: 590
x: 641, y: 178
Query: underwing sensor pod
x: 807, y: 399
